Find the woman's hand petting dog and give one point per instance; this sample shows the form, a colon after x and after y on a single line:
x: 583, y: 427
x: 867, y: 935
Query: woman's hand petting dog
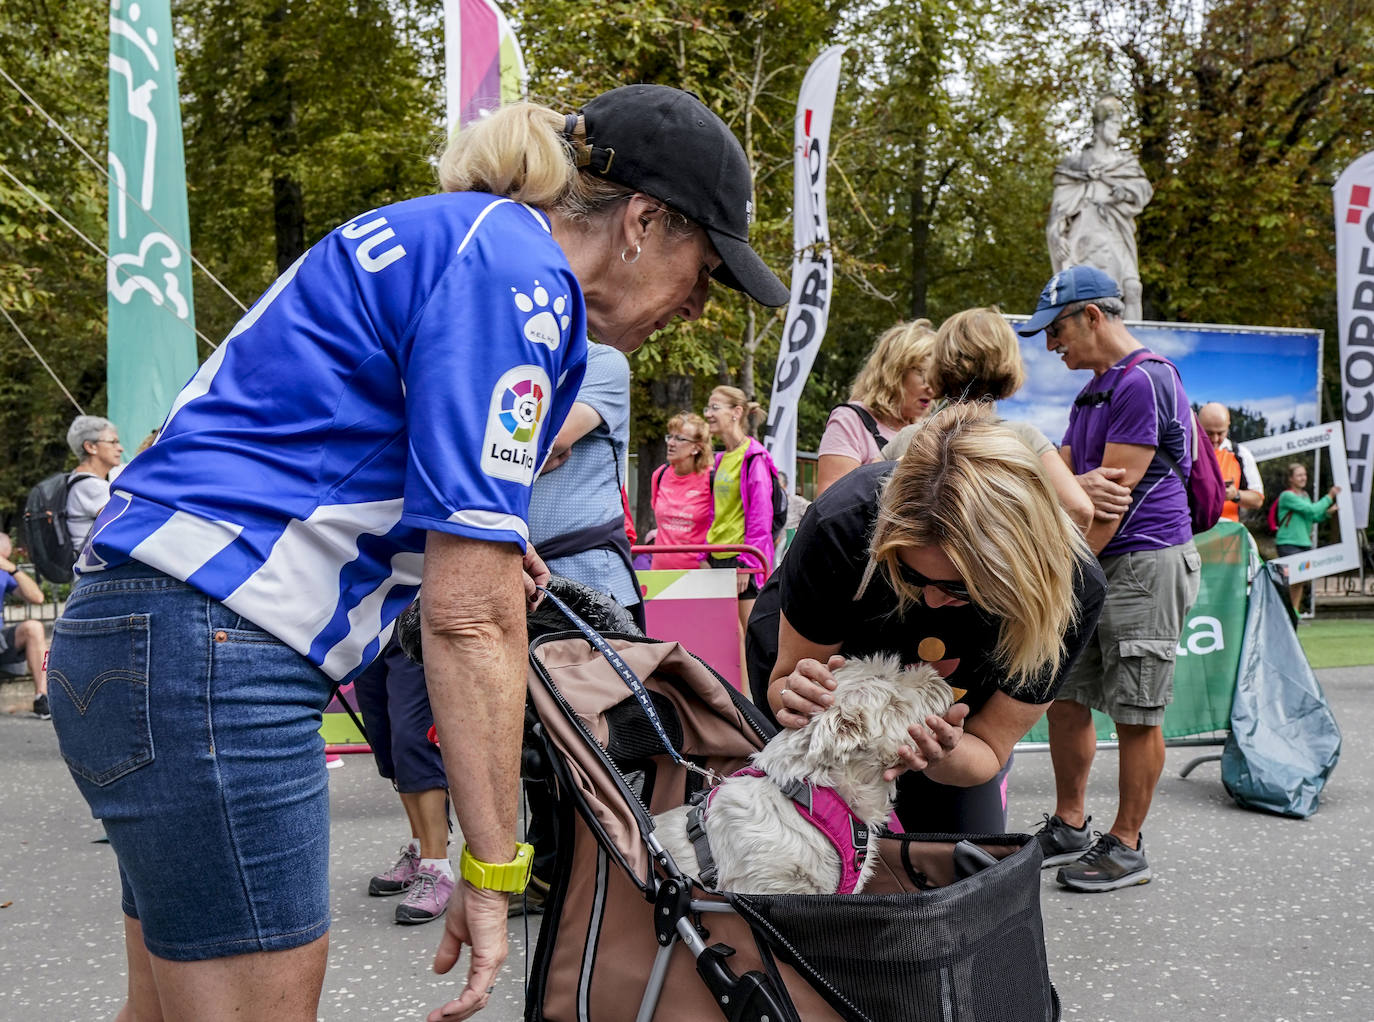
x: 933, y: 743
x: 807, y: 691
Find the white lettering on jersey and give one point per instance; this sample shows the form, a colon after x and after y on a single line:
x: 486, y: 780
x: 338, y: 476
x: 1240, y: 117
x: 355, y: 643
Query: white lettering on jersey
x: 373, y: 235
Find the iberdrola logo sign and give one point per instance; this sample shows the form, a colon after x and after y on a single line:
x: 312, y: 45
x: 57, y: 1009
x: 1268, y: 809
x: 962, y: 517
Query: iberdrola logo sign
x: 510, y: 444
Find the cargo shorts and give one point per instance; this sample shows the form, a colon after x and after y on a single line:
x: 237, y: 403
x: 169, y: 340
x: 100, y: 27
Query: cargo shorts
x: 1127, y: 669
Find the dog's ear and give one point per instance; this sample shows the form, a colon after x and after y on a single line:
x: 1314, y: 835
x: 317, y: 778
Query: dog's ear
x: 835, y: 735
x: 928, y: 692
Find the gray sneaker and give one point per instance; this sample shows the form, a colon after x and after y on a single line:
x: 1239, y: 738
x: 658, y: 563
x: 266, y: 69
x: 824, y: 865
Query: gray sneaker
x: 41, y: 709
x: 1061, y: 843
x: 398, y: 878
x: 1106, y: 866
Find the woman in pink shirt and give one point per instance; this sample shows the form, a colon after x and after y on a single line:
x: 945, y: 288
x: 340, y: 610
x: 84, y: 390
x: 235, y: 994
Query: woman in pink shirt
x: 890, y: 392
x: 681, y: 492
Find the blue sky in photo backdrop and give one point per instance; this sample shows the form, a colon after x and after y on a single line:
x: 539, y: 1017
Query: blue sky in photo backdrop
x: 1274, y: 373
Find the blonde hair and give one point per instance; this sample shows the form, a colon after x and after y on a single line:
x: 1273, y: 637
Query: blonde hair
x: 970, y: 487
x: 975, y: 356
x: 521, y: 151
x: 753, y: 411
x: 878, y: 387
x: 694, y: 427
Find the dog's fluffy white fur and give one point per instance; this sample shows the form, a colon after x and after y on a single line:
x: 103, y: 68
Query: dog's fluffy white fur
x: 760, y: 842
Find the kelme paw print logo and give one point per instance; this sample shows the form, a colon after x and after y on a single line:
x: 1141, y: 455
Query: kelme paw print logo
x: 547, y: 322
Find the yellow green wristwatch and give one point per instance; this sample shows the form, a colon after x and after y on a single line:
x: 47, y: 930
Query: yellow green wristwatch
x: 510, y: 877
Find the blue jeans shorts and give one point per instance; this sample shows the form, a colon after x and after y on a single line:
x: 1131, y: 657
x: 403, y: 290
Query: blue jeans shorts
x: 194, y: 737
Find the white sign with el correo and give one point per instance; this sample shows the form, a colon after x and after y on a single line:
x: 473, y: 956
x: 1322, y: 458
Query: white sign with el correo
x: 1328, y: 437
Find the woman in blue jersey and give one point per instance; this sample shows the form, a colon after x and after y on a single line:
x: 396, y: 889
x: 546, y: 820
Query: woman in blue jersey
x: 375, y: 420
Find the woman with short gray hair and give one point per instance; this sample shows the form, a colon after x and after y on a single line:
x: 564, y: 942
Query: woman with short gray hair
x: 95, y: 442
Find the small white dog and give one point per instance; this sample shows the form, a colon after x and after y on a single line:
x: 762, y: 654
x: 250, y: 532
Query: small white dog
x: 760, y: 842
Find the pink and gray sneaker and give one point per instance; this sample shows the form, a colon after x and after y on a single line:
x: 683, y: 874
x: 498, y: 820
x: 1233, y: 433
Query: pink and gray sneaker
x: 398, y: 878
x: 427, y: 898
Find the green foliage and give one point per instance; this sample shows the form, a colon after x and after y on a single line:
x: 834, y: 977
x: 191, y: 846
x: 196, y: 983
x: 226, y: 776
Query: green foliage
x: 51, y: 283
x: 745, y: 59
x: 337, y: 98
x: 1248, y: 110
x: 950, y: 118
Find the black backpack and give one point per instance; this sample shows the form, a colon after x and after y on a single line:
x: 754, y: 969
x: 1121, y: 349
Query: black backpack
x: 45, y: 526
x: 779, y: 494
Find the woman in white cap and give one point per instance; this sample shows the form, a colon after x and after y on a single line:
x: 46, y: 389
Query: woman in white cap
x: 374, y: 420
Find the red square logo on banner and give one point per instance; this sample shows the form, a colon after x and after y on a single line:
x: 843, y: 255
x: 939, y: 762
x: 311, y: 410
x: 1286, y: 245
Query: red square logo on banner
x: 1354, y: 216
x: 1359, y: 195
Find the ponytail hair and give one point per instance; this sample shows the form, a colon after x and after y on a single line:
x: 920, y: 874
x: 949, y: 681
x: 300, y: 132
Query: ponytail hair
x: 532, y: 154
x: 753, y: 411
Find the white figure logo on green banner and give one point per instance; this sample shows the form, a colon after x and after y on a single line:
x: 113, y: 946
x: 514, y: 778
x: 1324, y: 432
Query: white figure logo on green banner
x: 151, y: 333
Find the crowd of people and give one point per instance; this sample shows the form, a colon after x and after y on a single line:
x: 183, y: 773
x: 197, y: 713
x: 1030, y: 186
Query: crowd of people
x: 253, y: 558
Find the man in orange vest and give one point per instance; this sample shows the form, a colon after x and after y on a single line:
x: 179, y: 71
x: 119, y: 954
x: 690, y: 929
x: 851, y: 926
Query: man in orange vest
x: 1244, y: 488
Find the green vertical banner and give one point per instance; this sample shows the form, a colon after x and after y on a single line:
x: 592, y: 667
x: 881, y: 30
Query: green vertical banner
x: 151, y: 342
x: 1207, y: 656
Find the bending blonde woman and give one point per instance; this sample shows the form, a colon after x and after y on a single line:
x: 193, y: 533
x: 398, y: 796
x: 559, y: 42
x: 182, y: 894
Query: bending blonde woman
x: 889, y: 393
x: 960, y: 556
x: 975, y: 357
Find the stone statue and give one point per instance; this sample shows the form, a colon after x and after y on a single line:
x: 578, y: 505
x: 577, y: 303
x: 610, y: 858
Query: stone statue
x: 1097, y: 194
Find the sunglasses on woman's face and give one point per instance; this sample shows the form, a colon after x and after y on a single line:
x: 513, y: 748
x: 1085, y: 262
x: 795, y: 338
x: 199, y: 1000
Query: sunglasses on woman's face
x: 953, y: 588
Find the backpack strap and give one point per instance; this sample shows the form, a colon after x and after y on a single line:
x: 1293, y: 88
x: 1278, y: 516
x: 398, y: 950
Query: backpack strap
x: 1145, y: 355
x: 654, y: 483
x: 866, y: 417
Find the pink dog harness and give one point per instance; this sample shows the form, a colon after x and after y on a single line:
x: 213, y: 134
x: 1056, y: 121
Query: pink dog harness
x: 821, y: 807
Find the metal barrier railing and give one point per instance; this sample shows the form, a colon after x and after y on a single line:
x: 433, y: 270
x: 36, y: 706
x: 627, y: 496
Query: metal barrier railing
x: 709, y: 548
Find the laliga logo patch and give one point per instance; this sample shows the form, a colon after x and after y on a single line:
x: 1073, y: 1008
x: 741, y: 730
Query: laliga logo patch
x: 546, y: 325
x: 519, y: 402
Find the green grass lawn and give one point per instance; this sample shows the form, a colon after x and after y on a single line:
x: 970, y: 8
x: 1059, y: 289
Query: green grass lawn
x: 1337, y: 642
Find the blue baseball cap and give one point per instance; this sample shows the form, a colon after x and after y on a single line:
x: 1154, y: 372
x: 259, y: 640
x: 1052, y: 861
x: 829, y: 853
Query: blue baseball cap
x: 1073, y: 284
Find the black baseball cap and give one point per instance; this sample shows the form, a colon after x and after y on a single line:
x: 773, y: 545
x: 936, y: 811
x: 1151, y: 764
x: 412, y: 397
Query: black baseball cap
x: 667, y: 143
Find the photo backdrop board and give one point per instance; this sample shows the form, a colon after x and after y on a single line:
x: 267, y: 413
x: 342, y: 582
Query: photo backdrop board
x: 1273, y: 373
x: 1328, y: 438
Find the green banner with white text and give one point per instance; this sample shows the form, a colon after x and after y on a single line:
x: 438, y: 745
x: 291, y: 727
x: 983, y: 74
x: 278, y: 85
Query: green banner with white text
x: 1208, y: 651
x: 151, y: 343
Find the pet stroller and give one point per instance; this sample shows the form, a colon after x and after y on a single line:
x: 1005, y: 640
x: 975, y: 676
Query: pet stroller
x: 948, y: 930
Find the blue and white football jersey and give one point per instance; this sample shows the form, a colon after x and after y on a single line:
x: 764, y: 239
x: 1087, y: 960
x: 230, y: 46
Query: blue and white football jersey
x: 408, y: 373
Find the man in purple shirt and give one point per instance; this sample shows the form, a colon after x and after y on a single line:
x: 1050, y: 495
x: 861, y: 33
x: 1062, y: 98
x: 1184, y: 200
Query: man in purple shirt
x: 1126, y: 426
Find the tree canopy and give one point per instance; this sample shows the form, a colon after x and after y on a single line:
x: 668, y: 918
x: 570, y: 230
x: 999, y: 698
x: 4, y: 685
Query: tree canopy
x: 951, y: 116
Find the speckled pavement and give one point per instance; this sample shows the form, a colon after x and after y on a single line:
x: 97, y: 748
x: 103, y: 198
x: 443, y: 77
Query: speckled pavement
x: 1250, y: 918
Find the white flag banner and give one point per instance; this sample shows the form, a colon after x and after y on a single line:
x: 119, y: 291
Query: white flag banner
x: 1355, y: 317
x: 812, y: 272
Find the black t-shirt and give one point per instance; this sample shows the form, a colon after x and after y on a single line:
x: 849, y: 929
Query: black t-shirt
x: 815, y: 586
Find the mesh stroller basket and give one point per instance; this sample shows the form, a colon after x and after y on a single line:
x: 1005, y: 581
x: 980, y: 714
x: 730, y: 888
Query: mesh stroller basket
x: 627, y: 937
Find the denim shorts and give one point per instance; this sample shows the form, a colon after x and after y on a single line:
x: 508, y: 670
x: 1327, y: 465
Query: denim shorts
x: 195, y: 738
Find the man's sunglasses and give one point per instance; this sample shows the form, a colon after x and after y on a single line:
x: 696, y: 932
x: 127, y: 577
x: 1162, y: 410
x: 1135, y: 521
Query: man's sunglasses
x: 957, y: 590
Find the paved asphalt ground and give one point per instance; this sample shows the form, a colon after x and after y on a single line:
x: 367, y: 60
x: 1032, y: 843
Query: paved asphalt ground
x: 1250, y: 918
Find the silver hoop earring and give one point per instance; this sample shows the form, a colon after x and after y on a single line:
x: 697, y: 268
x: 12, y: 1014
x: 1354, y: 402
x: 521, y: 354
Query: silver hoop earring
x: 631, y: 261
